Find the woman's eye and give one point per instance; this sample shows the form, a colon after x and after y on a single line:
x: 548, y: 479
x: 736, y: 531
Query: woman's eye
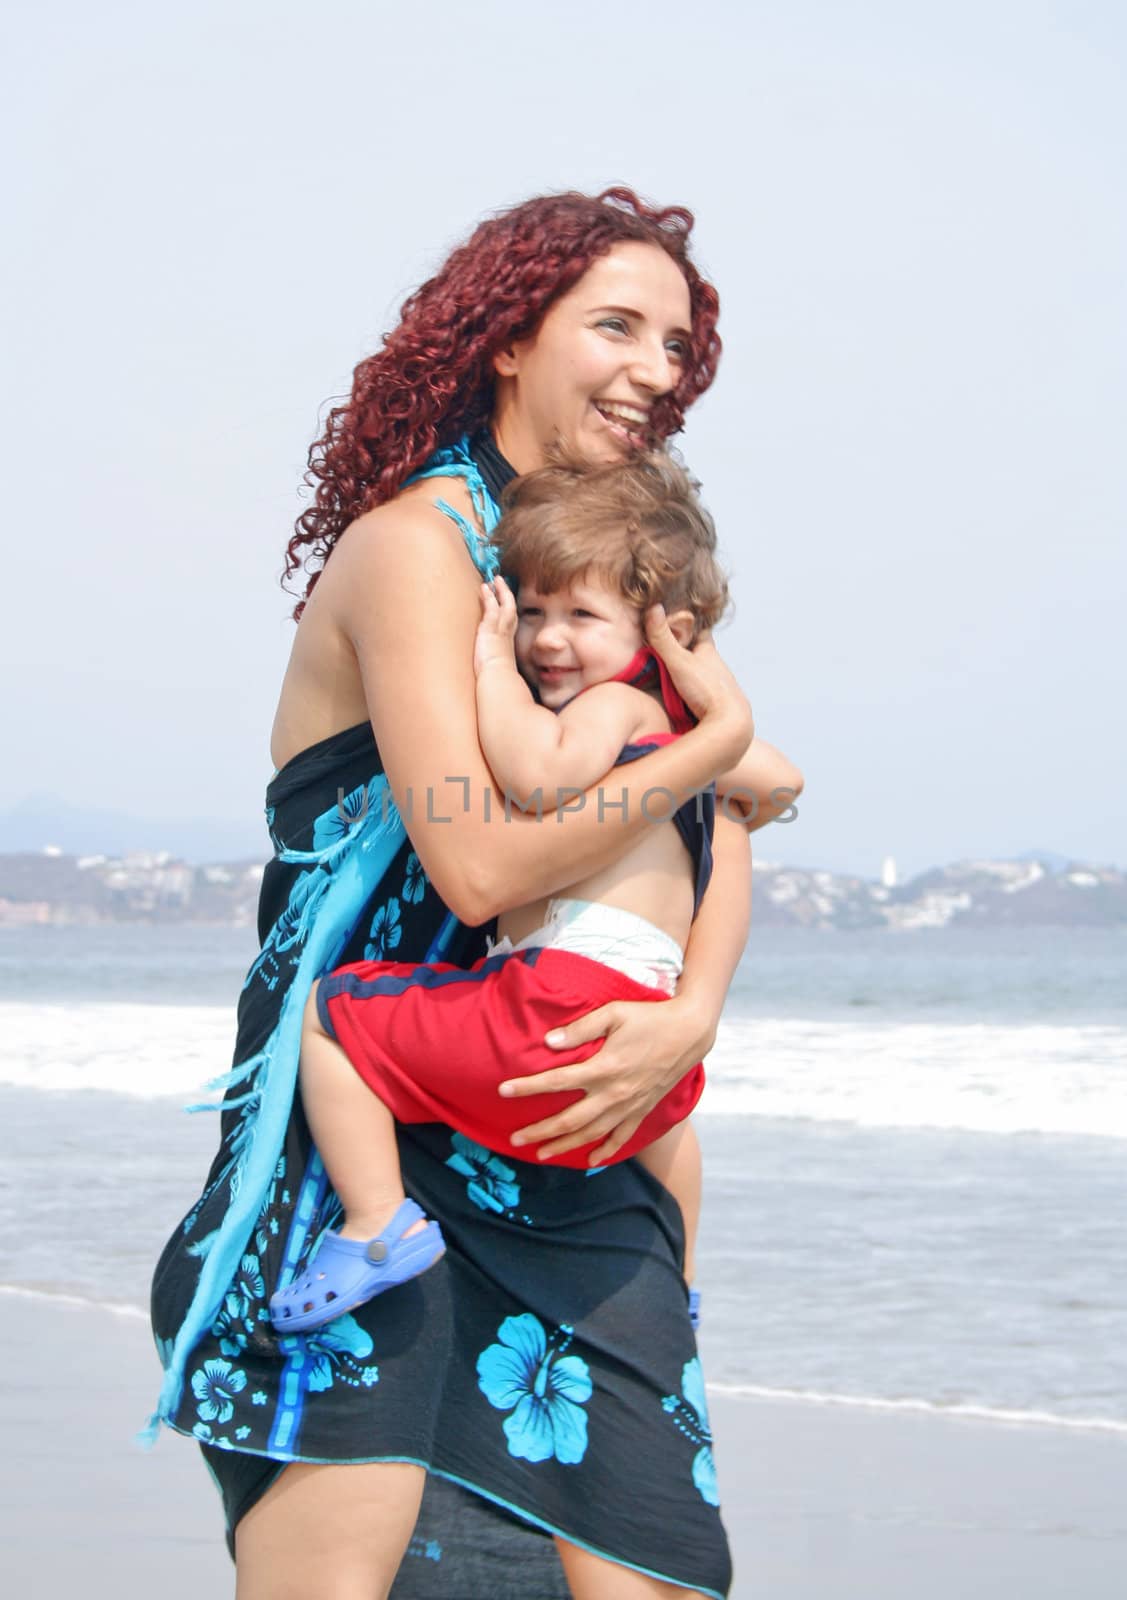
x: 617, y: 324
x: 678, y: 349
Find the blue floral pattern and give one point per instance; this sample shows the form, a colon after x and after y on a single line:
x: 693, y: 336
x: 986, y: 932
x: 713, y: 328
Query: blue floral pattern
x: 544, y: 1390
x: 339, y: 1350
x: 492, y: 1182
x: 249, y: 1282
x: 266, y: 1227
x: 288, y: 933
x: 385, y: 932
x: 415, y: 882
x: 230, y: 1326
x: 689, y: 1411
x: 215, y: 1386
x: 334, y: 825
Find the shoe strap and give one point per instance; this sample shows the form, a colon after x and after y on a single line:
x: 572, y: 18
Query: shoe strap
x: 407, y: 1214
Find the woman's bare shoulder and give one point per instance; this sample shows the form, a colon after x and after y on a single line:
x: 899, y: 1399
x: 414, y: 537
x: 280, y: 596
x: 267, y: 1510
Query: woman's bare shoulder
x: 399, y: 588
x: 401, y: 572
x: 409, y: 532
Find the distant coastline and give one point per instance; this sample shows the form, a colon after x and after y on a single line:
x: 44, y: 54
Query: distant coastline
x: 51, y: 888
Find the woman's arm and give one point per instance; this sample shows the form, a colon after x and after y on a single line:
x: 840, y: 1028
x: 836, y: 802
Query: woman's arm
x: 405, y: 595
x: 718, y: 936
x: 623, y: 1083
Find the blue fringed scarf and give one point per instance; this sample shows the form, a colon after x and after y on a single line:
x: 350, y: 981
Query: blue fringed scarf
x: 347, y: 872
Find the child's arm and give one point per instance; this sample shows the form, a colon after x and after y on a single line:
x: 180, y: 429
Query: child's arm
x: 760, y: 787
x: 528, y: 747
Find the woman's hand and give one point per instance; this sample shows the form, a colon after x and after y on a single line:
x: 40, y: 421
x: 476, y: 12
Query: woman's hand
x: 703, y: 682
x: 649, y: 1047
x: 496, y: 631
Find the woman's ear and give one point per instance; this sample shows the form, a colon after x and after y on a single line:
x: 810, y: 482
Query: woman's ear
x: 682, y: 625
x: 505, y: 362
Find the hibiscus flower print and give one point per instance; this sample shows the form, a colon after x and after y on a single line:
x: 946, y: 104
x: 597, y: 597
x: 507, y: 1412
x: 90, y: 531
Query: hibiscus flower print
x: 289, y: 932
x: 385, y: 932
x: 689, y: 1411
x: 338, y: 1350
x: 215, y: 1386
x: 416, y: 882
x: 228, y: 1326
x: 491, y: 1185
x: 335, y: 824
x: 544, y: 1390
x: 249, y: 1284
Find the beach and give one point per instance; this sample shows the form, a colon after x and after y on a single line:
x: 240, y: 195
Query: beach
x: 822, y: 1502
x: 913, y: 1312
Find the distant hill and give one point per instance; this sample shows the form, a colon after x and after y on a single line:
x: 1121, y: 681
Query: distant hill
x: 54, y: 886
x: 975, y: 894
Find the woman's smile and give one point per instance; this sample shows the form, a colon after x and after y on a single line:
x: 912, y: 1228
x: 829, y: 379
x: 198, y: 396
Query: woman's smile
x: 628, y: 423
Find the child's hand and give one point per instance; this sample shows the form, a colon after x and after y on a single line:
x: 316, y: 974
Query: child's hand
x: 497, y: 628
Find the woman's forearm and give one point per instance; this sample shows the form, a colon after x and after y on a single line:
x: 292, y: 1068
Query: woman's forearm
x: 500, y: 856
x: 719, y: 933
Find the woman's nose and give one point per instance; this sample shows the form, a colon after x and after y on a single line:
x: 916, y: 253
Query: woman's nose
x: 652, y: 369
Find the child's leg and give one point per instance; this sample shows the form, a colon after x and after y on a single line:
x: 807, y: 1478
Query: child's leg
x: 353, y: 1131
x: 385, y: 1240
x: 674, y: 1160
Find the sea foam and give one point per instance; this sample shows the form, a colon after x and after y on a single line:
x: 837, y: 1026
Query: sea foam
x: 910, y: 1404
x: 1000, y: 1078
x: 146, y: 1051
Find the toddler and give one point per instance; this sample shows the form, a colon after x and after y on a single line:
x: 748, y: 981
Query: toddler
x: 567, y: 690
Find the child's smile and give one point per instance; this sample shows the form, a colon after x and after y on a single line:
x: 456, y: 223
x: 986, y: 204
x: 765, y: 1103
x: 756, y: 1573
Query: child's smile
x: 574, y: 637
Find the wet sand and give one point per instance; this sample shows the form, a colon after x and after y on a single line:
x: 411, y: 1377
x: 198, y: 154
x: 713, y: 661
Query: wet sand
x: 821, y: 1502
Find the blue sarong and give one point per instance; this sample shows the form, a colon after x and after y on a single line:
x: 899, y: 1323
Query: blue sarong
x: 546, y: 1365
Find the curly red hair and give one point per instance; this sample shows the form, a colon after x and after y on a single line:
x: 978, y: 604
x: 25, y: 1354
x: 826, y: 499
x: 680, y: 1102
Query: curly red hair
x: 432, y: 381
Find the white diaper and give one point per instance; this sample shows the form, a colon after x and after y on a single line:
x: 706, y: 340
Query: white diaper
x: 619, y: 939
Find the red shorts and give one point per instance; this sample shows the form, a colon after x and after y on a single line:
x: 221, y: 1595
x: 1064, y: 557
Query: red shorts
x: 435, y: 1041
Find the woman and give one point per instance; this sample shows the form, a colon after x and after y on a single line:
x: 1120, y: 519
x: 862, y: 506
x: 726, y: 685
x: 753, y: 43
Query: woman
x: 547, y: 1363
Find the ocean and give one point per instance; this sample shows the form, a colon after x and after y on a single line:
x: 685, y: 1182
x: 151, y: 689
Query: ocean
x: 915, y: 1145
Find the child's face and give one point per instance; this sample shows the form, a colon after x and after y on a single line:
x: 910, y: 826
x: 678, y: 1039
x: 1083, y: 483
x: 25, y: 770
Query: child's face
x: 575, y: 637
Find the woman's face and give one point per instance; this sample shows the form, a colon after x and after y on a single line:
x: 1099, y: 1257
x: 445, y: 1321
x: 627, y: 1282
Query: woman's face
x: 602, y: 355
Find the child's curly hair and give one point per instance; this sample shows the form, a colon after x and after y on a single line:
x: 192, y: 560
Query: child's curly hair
x: 638, y: 524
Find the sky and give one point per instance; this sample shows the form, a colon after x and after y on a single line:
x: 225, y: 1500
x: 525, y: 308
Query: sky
x: 913, y: 450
